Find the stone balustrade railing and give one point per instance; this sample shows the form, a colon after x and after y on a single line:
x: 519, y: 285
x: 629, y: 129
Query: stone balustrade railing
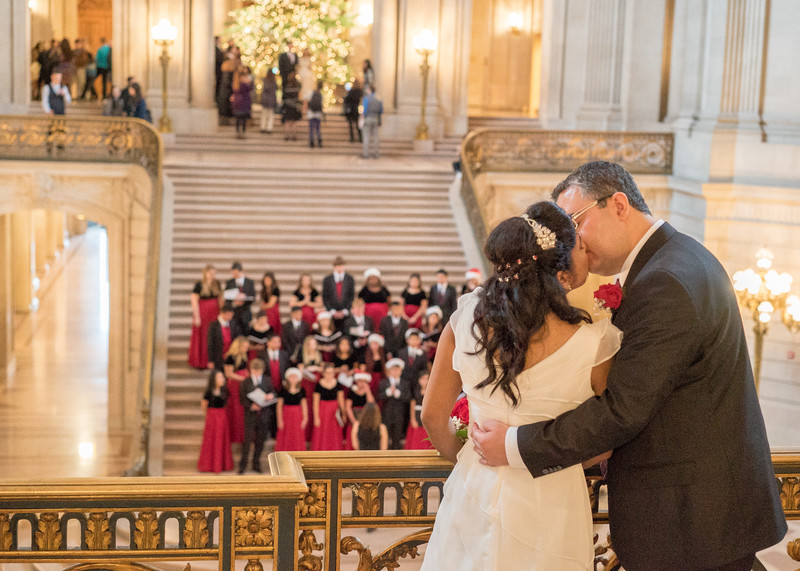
x: 300, y: 517
x: 537, y: 151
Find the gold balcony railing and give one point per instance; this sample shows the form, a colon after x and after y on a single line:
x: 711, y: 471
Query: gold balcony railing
x: 103, y: 140
x: 537, y: 151
x: 305, y: 515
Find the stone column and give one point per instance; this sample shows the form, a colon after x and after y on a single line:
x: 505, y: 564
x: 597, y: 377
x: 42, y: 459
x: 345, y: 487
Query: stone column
x: 7, y: 359
x: 602, y: 97
x: 23, y: 265
x: 384, y: 52
x: 744, y: 56
x: 201, y: 49
x: 15, y: 75
x: 41, y: 242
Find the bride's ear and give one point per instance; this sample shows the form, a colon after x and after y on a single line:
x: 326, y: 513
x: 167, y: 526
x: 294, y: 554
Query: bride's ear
x: 563, y: 278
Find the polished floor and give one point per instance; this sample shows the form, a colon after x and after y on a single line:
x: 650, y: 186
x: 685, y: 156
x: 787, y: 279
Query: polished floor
x: 53, y: 411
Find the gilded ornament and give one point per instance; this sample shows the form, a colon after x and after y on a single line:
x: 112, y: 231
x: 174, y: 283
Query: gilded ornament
x: 314, y: 503
x: 411, y: 499
x: 350, y: 543
x: 254, y: 565
x: 5, y: 532
x: 48, y: 534
x: 253, y: 527
x: 195, y: 534
x: 368, y: 503
x: 406, y: 547
x: 790, y: 493
x: 793, y: 549
x: 98, y: 535
x: 307, y: 544
x: 147, y: 535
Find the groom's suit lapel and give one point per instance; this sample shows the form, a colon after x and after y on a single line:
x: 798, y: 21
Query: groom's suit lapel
x: 658, y: 239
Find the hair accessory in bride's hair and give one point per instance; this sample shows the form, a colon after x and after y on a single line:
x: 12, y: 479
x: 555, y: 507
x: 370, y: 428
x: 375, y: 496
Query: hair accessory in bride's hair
x: 545, y: 237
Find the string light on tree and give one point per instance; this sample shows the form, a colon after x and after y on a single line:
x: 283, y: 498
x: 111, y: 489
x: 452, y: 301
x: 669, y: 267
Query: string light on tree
x: 262, y: 29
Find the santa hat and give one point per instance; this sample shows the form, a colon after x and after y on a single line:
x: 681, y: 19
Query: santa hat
x: 292, y: 372
x: 412, y: 331
x: 372, y: 272
x: 376, y: 339
x: 362, y: 377
x: 395, y: 363
x: 472, y: 274
x: 324, y: 315
x: 434, y: 309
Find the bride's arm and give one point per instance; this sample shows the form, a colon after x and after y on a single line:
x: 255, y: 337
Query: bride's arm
x: 599, y: 377
x: 444, y: 387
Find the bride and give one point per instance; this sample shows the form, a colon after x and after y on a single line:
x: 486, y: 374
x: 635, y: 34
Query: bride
x: 522, y: 354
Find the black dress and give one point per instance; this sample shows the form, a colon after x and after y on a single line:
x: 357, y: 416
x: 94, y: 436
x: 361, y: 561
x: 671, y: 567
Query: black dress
x: 290, y: 110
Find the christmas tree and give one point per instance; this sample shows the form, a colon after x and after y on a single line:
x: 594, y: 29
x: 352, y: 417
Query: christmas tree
x: 262, y: 29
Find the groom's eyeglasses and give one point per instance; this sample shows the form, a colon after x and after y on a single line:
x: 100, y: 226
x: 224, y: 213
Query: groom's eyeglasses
x: 575, y: 215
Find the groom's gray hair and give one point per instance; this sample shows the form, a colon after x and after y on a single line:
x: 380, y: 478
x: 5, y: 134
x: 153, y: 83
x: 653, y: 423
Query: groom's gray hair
x: 599, y: 180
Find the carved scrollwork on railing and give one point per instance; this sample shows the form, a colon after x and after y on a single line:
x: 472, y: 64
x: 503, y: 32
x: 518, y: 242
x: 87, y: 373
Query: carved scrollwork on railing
x: 98, y: 534
x: 537, y: 151
x: 107, y: 140
x: 390, y: 557
x: 793, y: 549
x: 308, y: 544
x: 48, y: 536
x: 790, y: 493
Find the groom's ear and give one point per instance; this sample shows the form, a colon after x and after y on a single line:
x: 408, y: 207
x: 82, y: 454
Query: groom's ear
x: 622, y: 207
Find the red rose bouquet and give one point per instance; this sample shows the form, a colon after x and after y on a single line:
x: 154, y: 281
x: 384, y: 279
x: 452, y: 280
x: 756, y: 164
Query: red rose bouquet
x: 460, y: 418
x: 608, y: 296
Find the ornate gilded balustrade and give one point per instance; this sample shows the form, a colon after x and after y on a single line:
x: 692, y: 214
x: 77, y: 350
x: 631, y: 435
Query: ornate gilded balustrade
x: 534, y: 151
x: 304, y: 516
x: 103, y: 140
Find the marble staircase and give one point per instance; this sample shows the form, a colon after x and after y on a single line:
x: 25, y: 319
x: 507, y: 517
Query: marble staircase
x: 290, y: 218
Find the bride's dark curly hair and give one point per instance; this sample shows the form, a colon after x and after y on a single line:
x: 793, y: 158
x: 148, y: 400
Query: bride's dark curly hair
x: 522, y: 291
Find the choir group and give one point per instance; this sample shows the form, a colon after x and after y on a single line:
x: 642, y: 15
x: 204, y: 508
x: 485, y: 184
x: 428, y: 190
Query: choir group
x: 346, y: 371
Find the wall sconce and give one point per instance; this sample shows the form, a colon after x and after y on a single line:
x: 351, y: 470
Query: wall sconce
x: 515, y: 22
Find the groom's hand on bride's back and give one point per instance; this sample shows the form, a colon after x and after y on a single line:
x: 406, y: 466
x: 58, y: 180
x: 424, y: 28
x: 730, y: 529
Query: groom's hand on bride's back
x: 490, y: 442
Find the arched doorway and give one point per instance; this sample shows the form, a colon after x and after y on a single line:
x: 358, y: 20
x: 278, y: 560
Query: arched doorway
x: 505, y: 58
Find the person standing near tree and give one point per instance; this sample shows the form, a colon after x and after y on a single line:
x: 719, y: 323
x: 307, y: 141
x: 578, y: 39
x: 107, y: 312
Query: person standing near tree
x: 372, y: 113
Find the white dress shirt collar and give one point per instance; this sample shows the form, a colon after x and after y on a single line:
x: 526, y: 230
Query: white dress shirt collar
x: 626, y: 266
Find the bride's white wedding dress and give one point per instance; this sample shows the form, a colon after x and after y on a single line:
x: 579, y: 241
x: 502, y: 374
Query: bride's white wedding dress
x: 503, y: 518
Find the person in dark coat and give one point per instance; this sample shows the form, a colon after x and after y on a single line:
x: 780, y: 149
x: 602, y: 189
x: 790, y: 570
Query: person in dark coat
x: 287, y: 62
x: 269, y: 100
x: 443, y: 295
x: 352, y: 101
x: 358, y: 327
x: 393, y: 329
x: 690, y: 482
x: 338, y: 292
x: 242, y: 101
x: 258, y: 420
x: 293, y: 333
x: 395, y: 394
x: 221, y: 332
x: 244, y: 299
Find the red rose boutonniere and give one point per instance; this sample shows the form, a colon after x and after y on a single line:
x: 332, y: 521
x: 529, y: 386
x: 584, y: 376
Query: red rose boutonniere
x: 460, y: 418
x: 608, y: 296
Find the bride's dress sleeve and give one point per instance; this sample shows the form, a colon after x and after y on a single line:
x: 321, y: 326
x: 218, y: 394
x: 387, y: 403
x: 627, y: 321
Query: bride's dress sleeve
x: 464, y: 312
x: 610, y: 338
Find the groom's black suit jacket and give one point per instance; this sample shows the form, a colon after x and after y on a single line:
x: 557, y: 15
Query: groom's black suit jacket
x: 690, y: 483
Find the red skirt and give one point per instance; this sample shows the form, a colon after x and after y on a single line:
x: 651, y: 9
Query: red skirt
x: 291, y: 437
x: 215, y: 452
x: 376, y: 311
x: 274, y: 318
x: 308, y: 387
x: 198, y: 345
x: 374, y: 384
x: 309, y: 315
x: 411, y: 310
x: 416, y: 439
x: 235, y: 412
x: 348, y: 429
x: 328, y: 435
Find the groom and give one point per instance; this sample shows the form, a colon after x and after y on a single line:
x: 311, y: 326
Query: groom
x: 690, y: 483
